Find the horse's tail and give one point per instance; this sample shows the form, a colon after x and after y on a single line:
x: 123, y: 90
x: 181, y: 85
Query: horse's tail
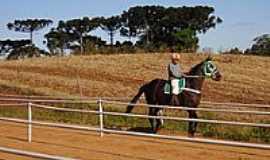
x: 135, y: 99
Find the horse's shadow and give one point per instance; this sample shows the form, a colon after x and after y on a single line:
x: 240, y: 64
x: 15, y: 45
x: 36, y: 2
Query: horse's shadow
x: 141, y: 129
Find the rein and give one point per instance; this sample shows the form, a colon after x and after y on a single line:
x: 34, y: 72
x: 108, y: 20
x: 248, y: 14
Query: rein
x: 192, y: 90
x: 194, y: 76
x: 207, y: 71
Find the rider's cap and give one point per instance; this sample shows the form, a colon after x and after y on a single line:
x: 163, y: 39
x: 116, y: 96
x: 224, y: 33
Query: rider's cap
x: 175, y: 56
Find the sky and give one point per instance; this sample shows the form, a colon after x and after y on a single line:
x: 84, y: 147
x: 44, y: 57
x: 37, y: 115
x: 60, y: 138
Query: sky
x: 243, y: 20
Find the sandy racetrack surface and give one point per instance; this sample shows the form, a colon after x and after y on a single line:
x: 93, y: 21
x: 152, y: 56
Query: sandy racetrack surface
x: 88, y: 145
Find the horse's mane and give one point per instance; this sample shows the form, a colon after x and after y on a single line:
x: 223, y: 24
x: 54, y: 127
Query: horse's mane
x: 195, y: 68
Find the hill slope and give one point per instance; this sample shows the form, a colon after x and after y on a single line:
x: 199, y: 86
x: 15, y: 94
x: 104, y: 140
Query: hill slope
x: 245, y: 78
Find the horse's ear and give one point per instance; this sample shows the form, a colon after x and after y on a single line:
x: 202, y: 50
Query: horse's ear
x: 209, y: 58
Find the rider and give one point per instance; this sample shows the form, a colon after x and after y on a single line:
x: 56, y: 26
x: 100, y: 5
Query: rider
x: 175, y: 74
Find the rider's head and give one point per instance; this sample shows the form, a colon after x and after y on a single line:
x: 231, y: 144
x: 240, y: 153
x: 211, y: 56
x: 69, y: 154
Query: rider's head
x: 175, y: 57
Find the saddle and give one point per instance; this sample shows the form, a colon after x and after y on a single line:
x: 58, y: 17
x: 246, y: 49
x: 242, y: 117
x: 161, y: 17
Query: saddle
x: 168, y: 88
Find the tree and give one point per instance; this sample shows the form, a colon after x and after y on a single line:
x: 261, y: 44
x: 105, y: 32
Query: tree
x: 157, y: 25
x: 29, y: 26
x: 261, y: 45
x: 93, y: 43
x: 57, y: 41
x: 111, y: 25
x: 234, y: 50
x: 90, y: 43
x: 139, y: 21
x: 77, y: 29
x: 18, y: 49
x: 6, y: 46
x: 26, y: 52
x: 60, y: 39
x: 185, y: 40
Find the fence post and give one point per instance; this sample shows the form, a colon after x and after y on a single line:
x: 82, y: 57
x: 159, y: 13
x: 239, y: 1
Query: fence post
x: 100, y: 117
x: 29, y: 106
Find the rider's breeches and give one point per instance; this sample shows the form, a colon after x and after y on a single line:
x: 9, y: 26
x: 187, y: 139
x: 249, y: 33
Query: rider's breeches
x: 175, y: 86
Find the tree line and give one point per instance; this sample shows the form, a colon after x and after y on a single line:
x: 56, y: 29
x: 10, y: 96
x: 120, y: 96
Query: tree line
x: 152, y: 28
x: 260, y: 47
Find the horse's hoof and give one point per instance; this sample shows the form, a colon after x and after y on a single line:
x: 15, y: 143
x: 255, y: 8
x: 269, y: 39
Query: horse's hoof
x: 191, y: 135
x: 154, y: 131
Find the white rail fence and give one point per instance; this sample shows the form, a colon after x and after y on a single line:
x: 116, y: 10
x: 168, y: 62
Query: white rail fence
x: 53, y: 99
x: 33, y: 154
x: 101, y: 112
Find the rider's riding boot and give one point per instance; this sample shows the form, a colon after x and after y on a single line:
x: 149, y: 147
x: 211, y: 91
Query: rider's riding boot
x: 174, y: 100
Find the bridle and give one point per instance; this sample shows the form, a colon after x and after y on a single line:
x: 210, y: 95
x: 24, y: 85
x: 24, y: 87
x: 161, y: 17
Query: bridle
x: 209, y: 70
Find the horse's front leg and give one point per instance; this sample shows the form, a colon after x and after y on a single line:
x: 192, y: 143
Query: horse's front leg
x: 160, y: 121
x: 192, y: 126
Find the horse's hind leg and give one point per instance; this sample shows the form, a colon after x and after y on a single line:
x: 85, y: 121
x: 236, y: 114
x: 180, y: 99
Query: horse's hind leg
x: 152, y: 120
x: 192, y: 126
x: 160, y: 121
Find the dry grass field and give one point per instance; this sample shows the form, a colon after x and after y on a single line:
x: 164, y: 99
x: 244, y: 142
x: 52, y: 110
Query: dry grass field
x: 246, y: 79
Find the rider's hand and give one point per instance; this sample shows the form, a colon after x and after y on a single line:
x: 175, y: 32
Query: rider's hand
x: 184, y: 75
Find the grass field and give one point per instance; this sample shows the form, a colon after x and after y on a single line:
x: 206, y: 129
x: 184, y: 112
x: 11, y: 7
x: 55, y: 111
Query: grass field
x: 246, y: 79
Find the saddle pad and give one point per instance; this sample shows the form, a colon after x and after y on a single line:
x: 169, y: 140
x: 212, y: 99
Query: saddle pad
x: 181, y: 84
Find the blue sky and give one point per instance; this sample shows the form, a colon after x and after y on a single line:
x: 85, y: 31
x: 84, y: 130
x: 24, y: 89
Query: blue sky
x: 243, y: 19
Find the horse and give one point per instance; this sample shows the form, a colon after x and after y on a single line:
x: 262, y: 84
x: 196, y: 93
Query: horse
x: 190, y: 97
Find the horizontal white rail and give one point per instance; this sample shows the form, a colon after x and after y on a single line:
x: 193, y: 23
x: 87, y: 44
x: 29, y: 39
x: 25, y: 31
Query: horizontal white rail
x: 101, y: 113
x: 59, y: 125
x: 47, y: 101
x: 62, y: 98
x: 64, y: 109
x: 52, y: 99
x: 188, y: 109
x: 231, y: 104
x: 188, y: 139
x: 199, y: 140
x: 33, y: 154
x: 146, y: 105
x: 157, y: 117
x: 237, y: 104
x: 13, y: 104
x: 190, y: 119
x: 166, y: 107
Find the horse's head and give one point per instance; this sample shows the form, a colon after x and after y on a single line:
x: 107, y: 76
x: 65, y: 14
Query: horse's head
x: 207, y: 69
x: 210, y: 70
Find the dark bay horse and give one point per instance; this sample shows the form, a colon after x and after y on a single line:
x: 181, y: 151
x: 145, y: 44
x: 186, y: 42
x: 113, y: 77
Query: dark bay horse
x: 154, y: 93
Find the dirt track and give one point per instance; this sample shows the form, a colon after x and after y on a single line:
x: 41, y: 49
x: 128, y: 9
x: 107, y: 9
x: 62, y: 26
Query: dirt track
x: 88, y: 145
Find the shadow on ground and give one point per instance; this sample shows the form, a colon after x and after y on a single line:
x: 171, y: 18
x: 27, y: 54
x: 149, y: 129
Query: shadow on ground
x: 141, y: 129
